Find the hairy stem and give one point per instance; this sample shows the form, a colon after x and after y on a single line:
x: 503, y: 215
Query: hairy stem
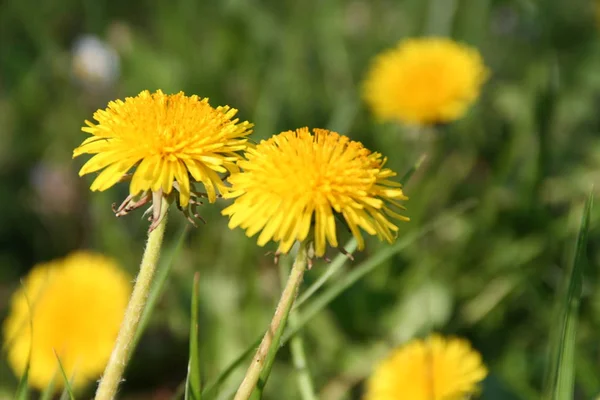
x: 305, y: 383
x: 123, y: 346
x: 270, y: 343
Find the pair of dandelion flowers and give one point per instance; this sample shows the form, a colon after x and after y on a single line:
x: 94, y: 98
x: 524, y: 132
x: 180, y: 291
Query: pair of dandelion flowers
x: 296, y: 183
x: 295, y: 186
x: 289, y: 188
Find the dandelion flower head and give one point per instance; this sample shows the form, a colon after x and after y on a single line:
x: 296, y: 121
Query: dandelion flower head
x: 424, y: 81
x: 297, y: 182
x: 167, y: 138
x: 74, y: 306
x: 436, y: 368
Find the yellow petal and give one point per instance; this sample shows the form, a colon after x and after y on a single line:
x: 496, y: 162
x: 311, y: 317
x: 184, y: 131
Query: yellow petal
x: 111, y: 175
x: 181, y: 175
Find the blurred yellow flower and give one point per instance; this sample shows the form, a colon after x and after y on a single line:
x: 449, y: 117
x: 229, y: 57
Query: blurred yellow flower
x: 297, y: 181
x: 424, y: 81
x: 436, y: 368
x: 75, y: 306
x: 168, y: 138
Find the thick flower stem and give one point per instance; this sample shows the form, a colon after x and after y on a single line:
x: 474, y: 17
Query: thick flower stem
x: 122, y: 350
x: 305, y: 384
x: 270, y: 342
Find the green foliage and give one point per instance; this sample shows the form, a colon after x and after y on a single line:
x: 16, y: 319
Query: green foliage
x: 562, y: 363
x: 320, y: 302
x: 23, y: 390
x: 67, y: 393
x: 527, y: 151
x: 49, y: 391
x: 193, y: 382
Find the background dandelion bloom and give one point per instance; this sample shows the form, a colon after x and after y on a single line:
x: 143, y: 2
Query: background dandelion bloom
x: 167, y: 137
x: 424, y: 81
x: 296, y: 181
x: 77, y: 304
x: 436, y: 368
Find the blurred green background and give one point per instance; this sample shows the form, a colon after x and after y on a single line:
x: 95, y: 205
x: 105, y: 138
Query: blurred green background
x: 528, y: 152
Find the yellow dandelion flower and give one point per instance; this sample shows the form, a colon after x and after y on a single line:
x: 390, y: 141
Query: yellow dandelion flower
x: 75, y: 306
x: 168, y: 138
x: 296, y: 183
x: 436, y: 368
x: 424, y: 81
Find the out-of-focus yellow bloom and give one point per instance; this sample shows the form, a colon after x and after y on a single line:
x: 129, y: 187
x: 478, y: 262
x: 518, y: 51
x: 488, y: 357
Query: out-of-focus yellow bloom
x: 167, y: 138
x: 296, y: 182
x: 75, y: 306
x: 424, y: 81
x: 436, y: 368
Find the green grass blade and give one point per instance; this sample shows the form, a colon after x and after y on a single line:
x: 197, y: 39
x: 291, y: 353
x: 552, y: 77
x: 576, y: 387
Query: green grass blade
x: 68, y: 392
x: 48, y: 393
x: 566, y: 369
x: 211, y: 390
x: 315, y: 306
x: 193, y: 385
x: 159, y: 283
x: 408, y: 174
x: 22, y: 392
x: 561, y: 376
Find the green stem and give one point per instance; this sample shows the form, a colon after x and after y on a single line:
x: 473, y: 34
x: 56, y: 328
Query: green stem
x: 303, y: 378
x: 270, y: 342
x: 123, y: 346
